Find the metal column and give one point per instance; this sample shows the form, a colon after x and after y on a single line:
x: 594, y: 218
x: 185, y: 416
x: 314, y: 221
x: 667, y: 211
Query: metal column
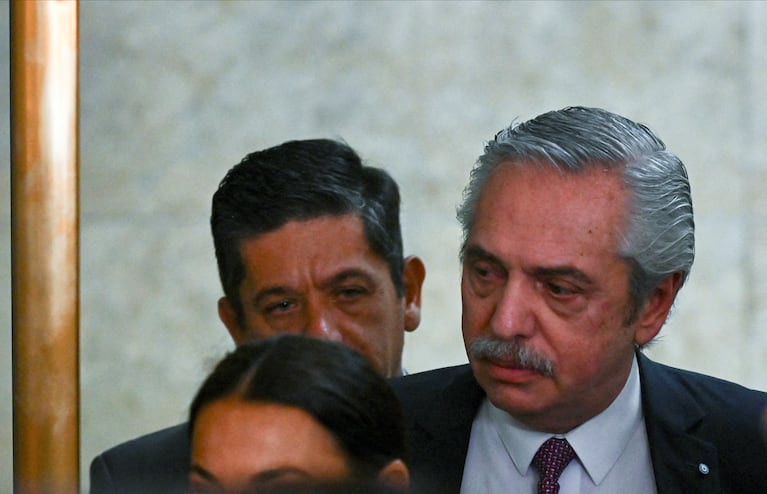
x: 44, y: 245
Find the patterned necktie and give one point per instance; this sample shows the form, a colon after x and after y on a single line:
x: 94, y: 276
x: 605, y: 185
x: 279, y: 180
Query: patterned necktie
x: 552, y: 457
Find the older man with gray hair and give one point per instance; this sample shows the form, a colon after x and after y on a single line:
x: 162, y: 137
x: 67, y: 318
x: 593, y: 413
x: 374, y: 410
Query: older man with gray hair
x: 578, y: 235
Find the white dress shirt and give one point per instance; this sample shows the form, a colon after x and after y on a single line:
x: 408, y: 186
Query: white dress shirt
x: 612, y: 448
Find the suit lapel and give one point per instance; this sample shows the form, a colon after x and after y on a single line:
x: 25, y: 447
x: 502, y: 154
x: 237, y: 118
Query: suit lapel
x: 681, y: 461
x: 446, y: 428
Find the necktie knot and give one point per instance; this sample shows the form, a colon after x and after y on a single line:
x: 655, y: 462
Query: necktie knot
x: 550, y: 460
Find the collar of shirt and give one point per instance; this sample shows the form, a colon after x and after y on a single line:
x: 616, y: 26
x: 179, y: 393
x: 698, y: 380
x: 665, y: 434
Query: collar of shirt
x: 611, y: 430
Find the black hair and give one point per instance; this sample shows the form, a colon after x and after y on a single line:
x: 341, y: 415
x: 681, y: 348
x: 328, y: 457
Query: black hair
x: 297, y: 181
x: 333, y: 383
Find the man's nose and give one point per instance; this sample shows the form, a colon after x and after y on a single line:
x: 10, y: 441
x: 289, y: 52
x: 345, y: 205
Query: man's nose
x: 514, y: 314
x: 321, y: 324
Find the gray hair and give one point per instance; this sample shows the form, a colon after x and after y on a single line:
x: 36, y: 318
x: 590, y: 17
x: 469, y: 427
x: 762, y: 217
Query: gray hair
x: 660, y: 237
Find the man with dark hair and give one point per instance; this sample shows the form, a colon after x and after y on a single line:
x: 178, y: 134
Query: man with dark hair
x: 578, y: 234
x: 308, y: 241
x: 308, y: 238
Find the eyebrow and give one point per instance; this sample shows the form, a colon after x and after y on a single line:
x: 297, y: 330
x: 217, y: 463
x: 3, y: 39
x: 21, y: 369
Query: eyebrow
x: 340, y: 277
x: 272, y: 291
x: 477, y: 253
x: 265, y: 476
x: 203, y: 473
x: 276, y: 473
x: 563, y: 272
x: 348, y: 274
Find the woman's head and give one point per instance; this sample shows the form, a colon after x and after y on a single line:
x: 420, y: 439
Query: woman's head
x: 295, y: 410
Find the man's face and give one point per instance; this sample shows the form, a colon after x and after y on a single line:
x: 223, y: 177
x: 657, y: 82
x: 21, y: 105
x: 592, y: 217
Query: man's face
x: 541, y: 274
x: 320, y: 278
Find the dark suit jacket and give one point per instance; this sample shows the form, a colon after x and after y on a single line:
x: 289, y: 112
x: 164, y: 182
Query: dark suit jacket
x: 155, y: 463
x: 691, y: 420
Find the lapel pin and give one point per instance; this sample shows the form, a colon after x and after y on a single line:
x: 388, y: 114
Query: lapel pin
x: 703, y: 468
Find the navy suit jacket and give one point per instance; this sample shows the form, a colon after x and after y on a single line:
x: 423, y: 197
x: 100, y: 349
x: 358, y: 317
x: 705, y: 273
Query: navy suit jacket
x: 155, y: 463
x: 691, y: 419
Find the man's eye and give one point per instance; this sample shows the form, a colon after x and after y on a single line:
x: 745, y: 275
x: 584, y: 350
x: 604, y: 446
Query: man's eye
x: 481, y: 272
x: 485, y: 271
x: 280, y: 307
x: 351, y: 292
x: 560, y: 290
x: 484, y: 278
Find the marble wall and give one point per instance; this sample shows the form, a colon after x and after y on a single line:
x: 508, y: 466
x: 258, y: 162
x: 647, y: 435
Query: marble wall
x: 175, y: 93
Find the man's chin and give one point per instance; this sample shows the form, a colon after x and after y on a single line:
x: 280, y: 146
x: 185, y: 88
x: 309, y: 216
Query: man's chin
x: 514, y: 390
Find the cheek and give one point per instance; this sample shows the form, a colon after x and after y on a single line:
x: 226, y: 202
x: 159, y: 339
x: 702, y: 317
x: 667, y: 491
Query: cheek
x: 370, y: 329
x: 604, y: 321
x: 474, y: 309
x: 468, y: 325
x: 576, y: 365
x: 584, y: 343
x: 595, y: 349
x: 257, y: 327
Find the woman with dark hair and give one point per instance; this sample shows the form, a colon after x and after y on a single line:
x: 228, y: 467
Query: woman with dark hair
x: 291, y: 412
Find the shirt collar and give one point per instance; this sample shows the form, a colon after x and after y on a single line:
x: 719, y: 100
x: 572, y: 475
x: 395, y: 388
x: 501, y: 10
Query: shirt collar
x: 611, y: 430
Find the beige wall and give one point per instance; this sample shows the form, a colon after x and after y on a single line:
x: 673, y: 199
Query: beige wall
x: 173, y: 94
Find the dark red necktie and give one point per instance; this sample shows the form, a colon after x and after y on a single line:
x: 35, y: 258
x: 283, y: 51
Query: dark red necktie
x: 550, y: 460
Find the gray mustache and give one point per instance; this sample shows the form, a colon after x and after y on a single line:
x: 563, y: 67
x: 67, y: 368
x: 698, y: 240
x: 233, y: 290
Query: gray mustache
x: 511, y: 352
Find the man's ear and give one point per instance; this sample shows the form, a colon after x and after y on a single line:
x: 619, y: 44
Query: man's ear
x: 230, y: 318
x: 655, y: 310
x: 395, y: 475
x: 413, y: 274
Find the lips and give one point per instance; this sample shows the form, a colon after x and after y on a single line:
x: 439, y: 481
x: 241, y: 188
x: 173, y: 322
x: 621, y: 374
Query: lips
x: 510, y: 372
